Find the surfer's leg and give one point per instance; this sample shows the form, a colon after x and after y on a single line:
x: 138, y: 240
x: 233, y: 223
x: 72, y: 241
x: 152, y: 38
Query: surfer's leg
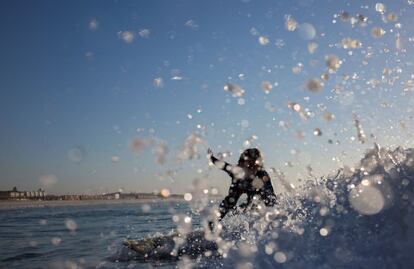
x: 268, y: 195
x: 229, y: 202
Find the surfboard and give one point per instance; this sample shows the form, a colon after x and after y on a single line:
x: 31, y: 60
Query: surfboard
x: 164, y: 247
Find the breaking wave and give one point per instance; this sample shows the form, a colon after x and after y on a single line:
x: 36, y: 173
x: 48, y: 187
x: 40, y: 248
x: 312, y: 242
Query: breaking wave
x: 361, y: 217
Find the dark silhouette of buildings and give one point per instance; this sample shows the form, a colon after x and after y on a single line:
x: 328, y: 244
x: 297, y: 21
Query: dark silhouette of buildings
x: 15, y: 194
x: 40, y: 194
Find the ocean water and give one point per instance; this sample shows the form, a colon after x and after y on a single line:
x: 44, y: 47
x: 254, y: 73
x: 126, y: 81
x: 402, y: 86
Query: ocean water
x: 360, y: 217
x: 40, y: 238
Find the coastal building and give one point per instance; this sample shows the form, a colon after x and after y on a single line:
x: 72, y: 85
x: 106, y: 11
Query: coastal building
x: 40, y: 194
x: 15, y: 194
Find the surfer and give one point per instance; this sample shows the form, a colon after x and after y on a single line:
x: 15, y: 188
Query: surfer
x: 247, y: 177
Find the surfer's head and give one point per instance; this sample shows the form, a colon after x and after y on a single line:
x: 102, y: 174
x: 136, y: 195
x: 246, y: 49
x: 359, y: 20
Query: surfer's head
x: 251, y: 158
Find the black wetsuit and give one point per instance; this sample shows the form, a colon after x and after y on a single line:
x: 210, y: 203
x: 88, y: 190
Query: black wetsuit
x: 258, y: 185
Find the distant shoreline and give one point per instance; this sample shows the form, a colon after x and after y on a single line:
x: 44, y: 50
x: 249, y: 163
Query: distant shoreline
x: 17, y: 204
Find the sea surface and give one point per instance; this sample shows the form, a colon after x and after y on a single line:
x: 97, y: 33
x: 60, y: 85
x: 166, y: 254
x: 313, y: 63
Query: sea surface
x: 357, y: 218
x: 81, y: 236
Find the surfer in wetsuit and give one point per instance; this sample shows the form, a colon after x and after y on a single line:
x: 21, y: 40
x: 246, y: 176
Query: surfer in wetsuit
x: 247, y: 177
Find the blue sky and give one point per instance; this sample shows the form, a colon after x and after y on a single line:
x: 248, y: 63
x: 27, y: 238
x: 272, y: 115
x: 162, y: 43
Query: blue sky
x: 71, y: 84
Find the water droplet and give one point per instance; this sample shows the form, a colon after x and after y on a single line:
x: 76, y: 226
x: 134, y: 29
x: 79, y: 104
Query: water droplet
x: 56, y: 241
x: 290, y: 23
x: 177, y: 77
x: 280, y: 257
x: 165, y: 193
x: 263, y: 40
x: 146, y: 208
x: 328, y: 116
x: 127, y: 36
x: 349, y: 43
x: 367, y: 200
x: 89, y: 55
x: 295, y: 106
x: 190, y: 148
x: 115, y: 159
x: 158, y: 82
x: 188, y: 196
x: 312, y: 47
x: 136, y: 145
x: 405, y: 182
x: 144, y: 33
x: 71, y: 225
x: 325, y: 76
x: 234, y: 89
x: 187, y: 219
x: 362, y: 19
x: 317, y: 132
x: 254, y: 31
x: 380, y: 7
x: 314, y: 85
x: 345, y: 16
x: 323, y: 211
x: 247, y: 143
x: 297, y: 68
x: 307, y: 31
x: 377, y: 32
x: 333, y: 62
x: 360, y: 132
x: 392, y: 17
x: 267, y: 86
x: 257, y: 183
x: 93, y: 25
x: 191, y: 24
x: 279, y: 43
x: 323, y: 231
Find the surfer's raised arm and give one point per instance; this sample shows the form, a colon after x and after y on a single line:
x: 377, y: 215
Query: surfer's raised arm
x: 220, y: 164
